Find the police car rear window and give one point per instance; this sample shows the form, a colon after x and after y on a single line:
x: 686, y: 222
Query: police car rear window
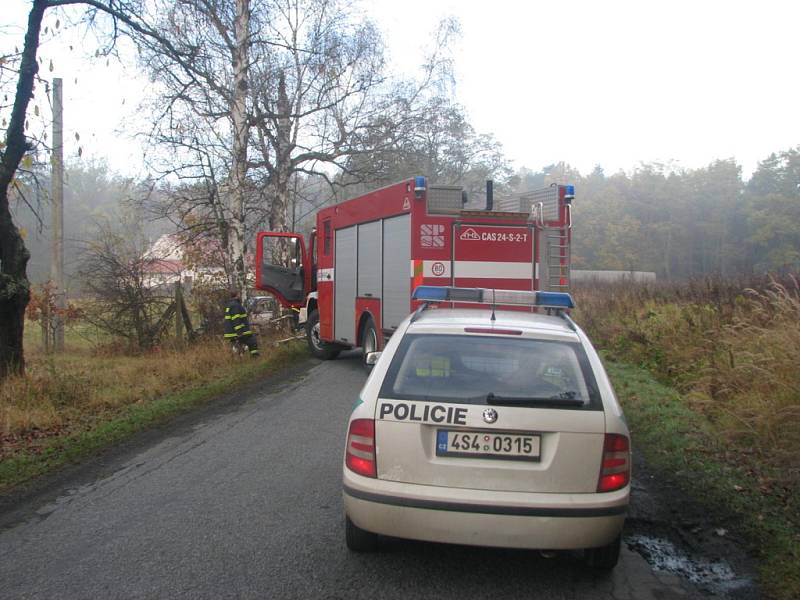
x: 467, y: 369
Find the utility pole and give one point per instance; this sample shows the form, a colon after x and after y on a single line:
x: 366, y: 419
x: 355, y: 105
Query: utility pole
x: 57, y: 256
x: 179, y: 310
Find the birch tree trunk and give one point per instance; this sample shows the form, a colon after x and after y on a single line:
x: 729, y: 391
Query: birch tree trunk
x: 237, y: 186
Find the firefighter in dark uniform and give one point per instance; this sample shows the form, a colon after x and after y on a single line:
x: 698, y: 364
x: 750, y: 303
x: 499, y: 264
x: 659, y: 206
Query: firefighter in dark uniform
x: 237, y: 326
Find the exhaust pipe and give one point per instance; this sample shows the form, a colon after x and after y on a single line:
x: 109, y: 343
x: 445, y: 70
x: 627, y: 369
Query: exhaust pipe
x: 489, y: 194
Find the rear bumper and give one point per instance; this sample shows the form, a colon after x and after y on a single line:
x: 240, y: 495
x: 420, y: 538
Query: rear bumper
x: 483, y: 518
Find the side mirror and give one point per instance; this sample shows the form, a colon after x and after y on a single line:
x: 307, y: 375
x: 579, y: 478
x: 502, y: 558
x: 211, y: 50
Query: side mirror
x: 371, y: 358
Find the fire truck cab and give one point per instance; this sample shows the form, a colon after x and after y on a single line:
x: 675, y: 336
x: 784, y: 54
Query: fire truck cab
x: 352, y: 282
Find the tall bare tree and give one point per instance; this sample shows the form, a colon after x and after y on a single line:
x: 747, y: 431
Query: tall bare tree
x: 303, y: 82
x: 241, y: 131
x: 322, y: 95
x: 201, y: 128
x: 126, y: 16
x: 14, y: 285
x: 442, y: 145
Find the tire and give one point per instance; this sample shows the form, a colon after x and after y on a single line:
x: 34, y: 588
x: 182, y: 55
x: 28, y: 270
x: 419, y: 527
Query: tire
x: 318, y: 348
x: 357, y: 539
x: 604, y: 558
x: 369, y: 339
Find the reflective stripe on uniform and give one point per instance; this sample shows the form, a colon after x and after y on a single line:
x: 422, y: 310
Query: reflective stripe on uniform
x: 230, y: 335
x: 239, y: 326
x: 248, y: 332
x: 254, y: 351
x: 239, y: 316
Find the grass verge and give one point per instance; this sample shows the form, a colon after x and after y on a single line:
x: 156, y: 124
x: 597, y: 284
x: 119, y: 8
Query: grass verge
x: 678, y: 440
x: 88, y: 432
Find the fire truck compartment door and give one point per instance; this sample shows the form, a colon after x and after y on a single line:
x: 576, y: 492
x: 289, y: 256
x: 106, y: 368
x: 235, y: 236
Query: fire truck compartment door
x: 369, y: 260
x: 275, y: 250
x: 493, y: 256
x: 346, y: 245
x: 396, y: 294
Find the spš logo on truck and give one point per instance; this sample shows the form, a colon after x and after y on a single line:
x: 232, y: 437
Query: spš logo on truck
x: 431, y: 236
x: 470, y: 234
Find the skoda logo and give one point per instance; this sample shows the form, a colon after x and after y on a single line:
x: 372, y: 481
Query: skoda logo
x: 490, y: 415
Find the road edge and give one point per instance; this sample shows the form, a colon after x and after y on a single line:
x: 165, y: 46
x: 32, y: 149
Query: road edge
x: 15, y: 502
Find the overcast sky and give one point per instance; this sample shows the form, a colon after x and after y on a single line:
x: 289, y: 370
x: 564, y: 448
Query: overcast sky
x: 612, y: 83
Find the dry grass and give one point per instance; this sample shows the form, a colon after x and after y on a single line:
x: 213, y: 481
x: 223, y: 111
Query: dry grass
x: 70, y: 392
x: 732, y: 348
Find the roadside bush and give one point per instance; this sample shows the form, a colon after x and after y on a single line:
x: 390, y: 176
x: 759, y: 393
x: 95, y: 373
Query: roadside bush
x: 752, y: 384
x: 731, y: 348
x: 74, y: 390
x: 122, y: 300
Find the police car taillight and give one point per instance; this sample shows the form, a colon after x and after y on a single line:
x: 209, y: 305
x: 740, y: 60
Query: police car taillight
x: 360, y: 454
x: 615, y: 471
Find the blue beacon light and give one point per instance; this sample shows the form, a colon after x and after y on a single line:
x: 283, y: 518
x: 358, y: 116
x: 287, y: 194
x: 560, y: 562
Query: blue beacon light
x: 430, y: 292
x: 554, y: 299
x: 419, y: 186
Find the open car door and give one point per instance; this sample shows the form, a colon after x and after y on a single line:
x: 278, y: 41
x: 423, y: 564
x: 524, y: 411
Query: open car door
x: 282, y: 267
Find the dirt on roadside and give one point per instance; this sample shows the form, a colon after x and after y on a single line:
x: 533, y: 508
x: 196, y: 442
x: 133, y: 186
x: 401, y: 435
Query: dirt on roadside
x: 675, y: 533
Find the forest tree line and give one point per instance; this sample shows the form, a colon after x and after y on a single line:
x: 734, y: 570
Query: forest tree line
x: 677, y: 223
x: 684, y: 223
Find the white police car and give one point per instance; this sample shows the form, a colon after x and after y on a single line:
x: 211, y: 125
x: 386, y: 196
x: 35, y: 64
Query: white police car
x: 489, y: 428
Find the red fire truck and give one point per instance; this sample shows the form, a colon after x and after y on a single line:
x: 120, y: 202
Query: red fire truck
x: 352, y: 282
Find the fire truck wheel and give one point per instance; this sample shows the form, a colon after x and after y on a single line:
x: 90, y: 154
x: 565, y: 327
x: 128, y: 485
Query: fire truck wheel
x: 318, y: 348
x: 369, y: 339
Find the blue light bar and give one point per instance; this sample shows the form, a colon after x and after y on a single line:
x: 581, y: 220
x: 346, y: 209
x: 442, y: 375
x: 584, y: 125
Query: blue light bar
x: 435, y: 293
x: 419, y: 183
x: 438, y: 293
x: 430, y: 292
x: 569, y: 192
x: 554, y: 299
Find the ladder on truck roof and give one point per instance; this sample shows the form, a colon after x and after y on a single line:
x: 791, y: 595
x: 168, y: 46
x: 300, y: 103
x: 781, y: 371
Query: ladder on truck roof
x: 543, y: 205
x: 558, y: 258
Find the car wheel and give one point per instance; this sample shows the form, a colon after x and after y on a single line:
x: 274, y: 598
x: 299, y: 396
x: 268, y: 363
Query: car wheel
x: 317, y: 347
x: 604, y: 558
x: 357, y: 539
x: 369, y: 339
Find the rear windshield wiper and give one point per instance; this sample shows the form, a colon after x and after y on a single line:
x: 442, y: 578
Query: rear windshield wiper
x: 560, y: 400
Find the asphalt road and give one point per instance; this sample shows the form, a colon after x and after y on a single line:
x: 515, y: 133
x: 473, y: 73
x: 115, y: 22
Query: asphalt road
x: 243, y: 500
